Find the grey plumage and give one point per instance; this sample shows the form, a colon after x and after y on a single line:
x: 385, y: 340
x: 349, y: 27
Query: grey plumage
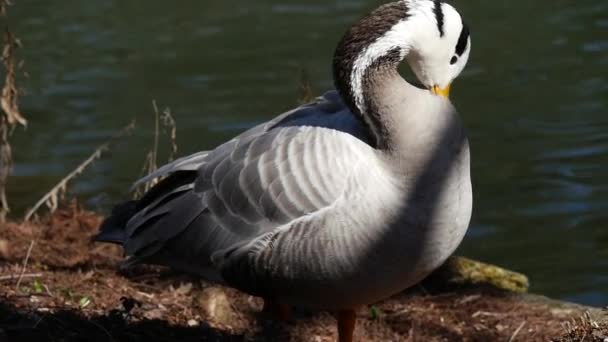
x: 334, y: 204
x: 242, y: 189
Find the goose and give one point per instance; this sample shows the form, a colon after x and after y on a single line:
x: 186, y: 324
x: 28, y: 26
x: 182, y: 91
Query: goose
x: 338, y: 203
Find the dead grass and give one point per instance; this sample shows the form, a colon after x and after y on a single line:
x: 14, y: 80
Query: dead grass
x: 9, y: 101
x: 584, y: 328
x: 166, y: 122
x: 306, y: 91
x: 52, y: 197
x: 72, y: 289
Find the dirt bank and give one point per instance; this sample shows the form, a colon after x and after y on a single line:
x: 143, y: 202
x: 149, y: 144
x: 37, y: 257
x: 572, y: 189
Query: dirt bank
x: 72, y: 291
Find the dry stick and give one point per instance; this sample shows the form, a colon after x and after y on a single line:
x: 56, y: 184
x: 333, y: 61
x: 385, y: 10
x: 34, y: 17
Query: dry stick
x: 3, y: 5
x: 6, y: 165
x: 521, y: 326
x: 169, y: 124
x: 14, y: 276
x: 24, y: 266
x: 51, y: 197
x: 305, y: 87
x: 156, y: 136
x: 151, y: 163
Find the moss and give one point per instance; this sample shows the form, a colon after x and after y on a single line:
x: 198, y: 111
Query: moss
x: 460, y: 271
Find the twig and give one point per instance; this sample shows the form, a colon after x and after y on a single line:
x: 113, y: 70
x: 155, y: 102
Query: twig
x: 51, y: 198
x: 305, y: 87
x: 150, y: 287
x: 521, y: 326
x: 48, y: 291
x: 151, y: 163
x: 24, y: 266
x: 3, y: 5
x: 38, y: 322
x: 15, y: 276
x: 10, y: 91
x: 485, y: 313
x: 154, y: 158
x: 169, y: 123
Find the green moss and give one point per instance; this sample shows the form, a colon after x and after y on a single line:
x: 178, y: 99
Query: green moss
x: 464, y: 271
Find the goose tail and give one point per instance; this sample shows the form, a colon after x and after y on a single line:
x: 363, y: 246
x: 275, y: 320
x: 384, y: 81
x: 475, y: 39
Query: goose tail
x: 112, y: 229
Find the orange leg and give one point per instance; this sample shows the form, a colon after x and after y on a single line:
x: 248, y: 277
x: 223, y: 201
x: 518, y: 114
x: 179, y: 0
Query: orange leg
x: 346, y: 325
x: 280, y: 311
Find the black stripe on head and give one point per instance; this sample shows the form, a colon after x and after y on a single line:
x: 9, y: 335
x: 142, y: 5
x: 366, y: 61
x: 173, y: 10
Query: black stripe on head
x: 463, y: 40
x: 358, y: 37
x: 439, y: 16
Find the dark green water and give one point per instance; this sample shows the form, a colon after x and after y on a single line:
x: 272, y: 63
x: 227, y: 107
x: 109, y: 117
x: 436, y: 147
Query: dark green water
x: 534, y: 97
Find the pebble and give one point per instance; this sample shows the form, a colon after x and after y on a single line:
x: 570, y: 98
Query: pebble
x: 216, y: 306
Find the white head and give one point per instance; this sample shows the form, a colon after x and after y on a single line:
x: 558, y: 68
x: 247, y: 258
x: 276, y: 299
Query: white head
x: 439, y: 45
x: 429, y: 34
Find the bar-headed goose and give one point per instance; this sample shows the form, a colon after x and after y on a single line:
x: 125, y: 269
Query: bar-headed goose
x: 335, y: 204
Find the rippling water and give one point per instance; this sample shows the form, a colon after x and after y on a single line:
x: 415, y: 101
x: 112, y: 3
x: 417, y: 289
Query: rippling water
x: 534, y: 97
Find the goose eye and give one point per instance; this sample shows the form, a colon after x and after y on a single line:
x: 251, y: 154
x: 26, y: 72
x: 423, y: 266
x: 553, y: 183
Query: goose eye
x: 454, y: 60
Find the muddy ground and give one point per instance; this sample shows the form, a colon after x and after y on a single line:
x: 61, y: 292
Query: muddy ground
x: 73, y: 290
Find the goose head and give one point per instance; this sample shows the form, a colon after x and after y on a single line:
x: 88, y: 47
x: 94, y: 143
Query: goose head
x: 429, y: 34
x: 438, y: 54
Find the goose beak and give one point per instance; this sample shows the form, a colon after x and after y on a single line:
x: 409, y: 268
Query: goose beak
x: 445, y: 92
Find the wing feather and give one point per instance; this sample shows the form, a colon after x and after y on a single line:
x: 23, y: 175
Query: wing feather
x: 277, y: 172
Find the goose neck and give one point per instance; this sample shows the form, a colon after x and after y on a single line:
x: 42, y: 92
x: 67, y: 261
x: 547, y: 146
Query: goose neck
x: 369, y: 85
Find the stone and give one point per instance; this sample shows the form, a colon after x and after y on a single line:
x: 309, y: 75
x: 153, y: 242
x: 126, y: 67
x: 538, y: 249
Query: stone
x: 459, y: 271
x: 216, y: 307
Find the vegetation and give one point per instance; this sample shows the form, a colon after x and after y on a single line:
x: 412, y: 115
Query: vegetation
x: 11, y: 117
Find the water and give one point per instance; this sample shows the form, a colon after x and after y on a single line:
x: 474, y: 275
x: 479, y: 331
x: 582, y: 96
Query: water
x: 534, y: 98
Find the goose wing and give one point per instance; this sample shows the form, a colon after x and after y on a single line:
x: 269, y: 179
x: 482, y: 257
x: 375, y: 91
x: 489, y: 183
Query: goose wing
x: 327, y: 111
x: 277, y: 172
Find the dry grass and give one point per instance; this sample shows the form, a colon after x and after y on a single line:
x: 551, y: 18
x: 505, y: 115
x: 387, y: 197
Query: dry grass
x: 72, y: 290
x: 52, y: 197
x: 4, y: 6
x: 166, y: 122
x: 585, y: 328
x: 9, y: 101
x: 306, y: 91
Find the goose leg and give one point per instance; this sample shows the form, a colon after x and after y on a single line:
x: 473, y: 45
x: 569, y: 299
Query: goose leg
x: 346, y: 325
x: 280, y: 311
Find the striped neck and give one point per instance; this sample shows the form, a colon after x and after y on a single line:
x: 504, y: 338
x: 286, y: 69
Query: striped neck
x: 369, y: 51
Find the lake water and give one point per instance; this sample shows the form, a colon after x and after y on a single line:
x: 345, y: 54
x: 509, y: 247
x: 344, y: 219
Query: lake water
x: 534, y: 97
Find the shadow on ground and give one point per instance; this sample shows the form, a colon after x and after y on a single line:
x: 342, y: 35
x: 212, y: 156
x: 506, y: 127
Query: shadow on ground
x: 67, y: 325
x: 72, y: 292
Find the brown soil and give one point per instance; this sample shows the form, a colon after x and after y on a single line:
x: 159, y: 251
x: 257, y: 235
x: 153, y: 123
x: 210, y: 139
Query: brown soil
x: 72, y: 291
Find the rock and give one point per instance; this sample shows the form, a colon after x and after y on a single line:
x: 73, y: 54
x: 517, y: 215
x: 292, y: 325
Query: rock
x: 154, y: 314
x: 216, y: 306
x: 459, y: 271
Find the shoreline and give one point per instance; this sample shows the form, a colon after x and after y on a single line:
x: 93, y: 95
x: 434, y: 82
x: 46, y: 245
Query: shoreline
x: 72, y: 288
